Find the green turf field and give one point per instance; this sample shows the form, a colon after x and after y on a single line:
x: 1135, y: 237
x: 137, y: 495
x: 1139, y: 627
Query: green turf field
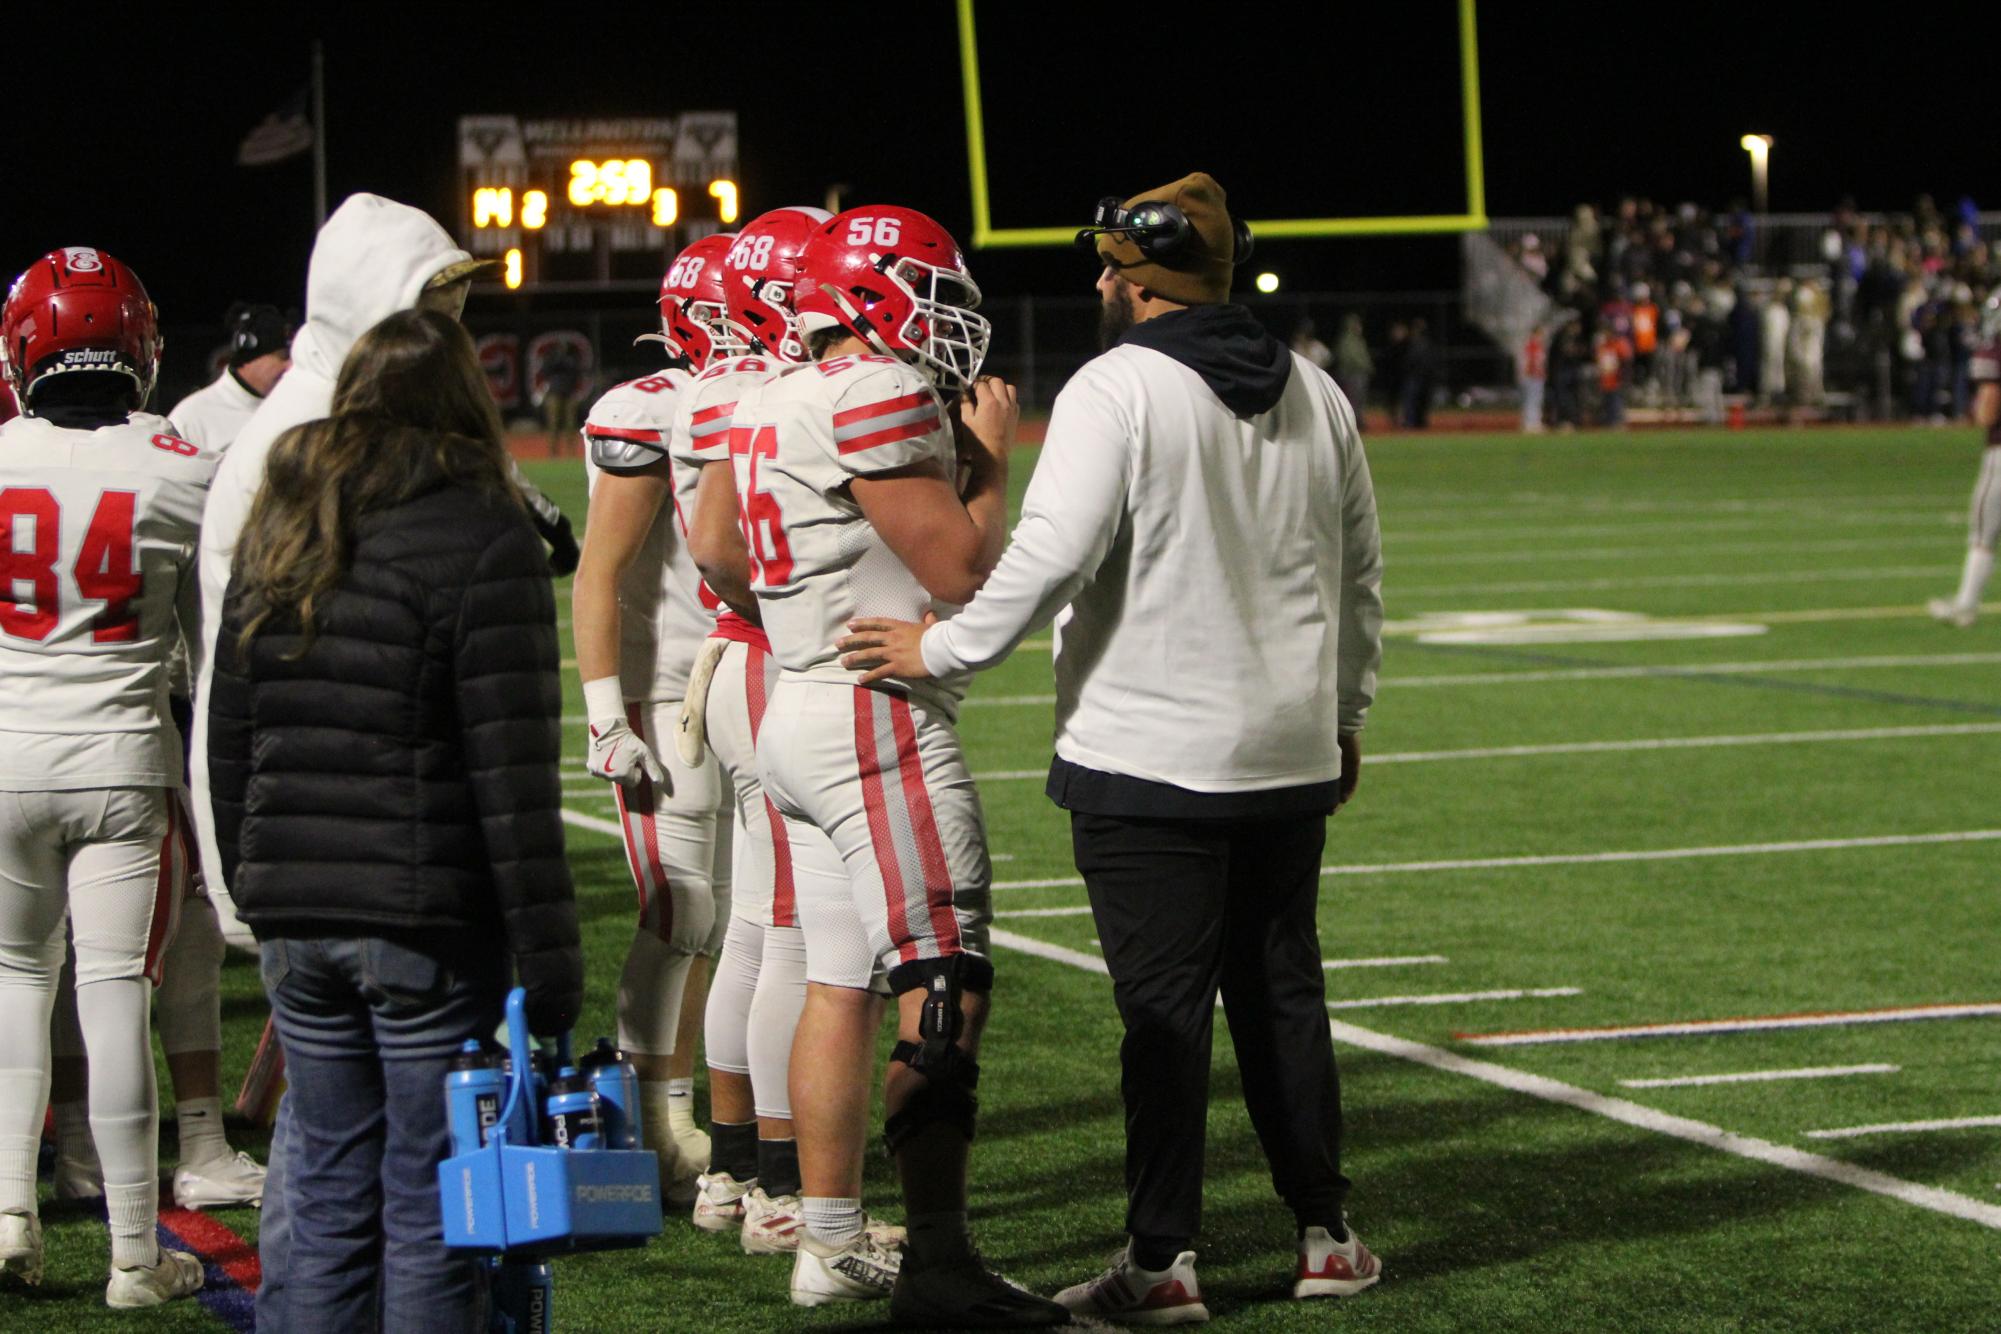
x: 1762, y: 789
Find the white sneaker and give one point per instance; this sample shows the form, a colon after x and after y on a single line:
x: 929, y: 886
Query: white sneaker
x: 773, y: 1224
x: 78, y: 1179
x: 1330, y: 1268
x: 864, y: 1270
x: 220, y: 1183
x: 1951, y: 613
x: 21, y: 1248
x: 719, y: 1202
x: 1129, y: 1295
x: 178, y: 1274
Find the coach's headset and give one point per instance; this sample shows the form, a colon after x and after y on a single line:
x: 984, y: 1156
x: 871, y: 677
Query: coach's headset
x: 1160, y: 230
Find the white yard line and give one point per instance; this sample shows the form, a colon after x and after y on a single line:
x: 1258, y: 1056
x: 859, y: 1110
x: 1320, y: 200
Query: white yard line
x: 1688, y: 742
x: 1899, y: 1014
x: 1907, y: 1127
x: 1631, y: 744
x: 1758, y: 578
x: 1762, y: 1076
x: 1589, y: 858
x: 592, y: 823
x: 1078, y: 910
x: 1664, y: 671
x: 1455, y: 997
x: 1615, y: 1109
x: 1457, y: 536
x: 1394, y: 961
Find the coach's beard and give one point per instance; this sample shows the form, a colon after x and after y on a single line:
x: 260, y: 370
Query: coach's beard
x: 1115, y: 316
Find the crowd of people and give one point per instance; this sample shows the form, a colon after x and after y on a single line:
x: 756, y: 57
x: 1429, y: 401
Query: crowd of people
x: 1677, y: 308
x: 798, y: 555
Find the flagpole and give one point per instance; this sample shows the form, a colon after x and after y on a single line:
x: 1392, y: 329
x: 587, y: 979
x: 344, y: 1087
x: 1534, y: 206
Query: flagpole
x: 319, y: 135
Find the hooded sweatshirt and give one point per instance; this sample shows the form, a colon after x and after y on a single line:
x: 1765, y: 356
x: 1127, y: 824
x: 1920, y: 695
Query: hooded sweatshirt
x: 1202, y: 528
x: 372, y: 259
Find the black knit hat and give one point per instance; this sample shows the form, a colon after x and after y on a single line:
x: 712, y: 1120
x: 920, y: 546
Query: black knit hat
x: 255, y: 331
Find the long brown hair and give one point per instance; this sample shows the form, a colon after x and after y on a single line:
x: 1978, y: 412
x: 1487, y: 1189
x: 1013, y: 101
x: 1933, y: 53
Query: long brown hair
x: 411, y: 411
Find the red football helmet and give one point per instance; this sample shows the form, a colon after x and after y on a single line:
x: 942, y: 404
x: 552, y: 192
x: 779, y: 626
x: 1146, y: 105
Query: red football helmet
x: 895, y: 279
x: 761, y: 266
x: 78, y: 309
x: 691, y: 303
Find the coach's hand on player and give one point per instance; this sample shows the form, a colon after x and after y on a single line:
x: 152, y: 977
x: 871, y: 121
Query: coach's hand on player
x: 1351, y: 769
x: 617, y: 753
x: 879, y: 647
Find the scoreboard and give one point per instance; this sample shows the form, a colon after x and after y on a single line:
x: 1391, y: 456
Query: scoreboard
x: 594, y: 200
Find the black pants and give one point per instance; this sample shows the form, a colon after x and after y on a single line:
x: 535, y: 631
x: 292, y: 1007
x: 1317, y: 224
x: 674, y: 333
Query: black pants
x: 1184, y: 907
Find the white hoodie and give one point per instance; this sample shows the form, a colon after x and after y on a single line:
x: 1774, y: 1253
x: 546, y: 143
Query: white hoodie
x: 372, y: 259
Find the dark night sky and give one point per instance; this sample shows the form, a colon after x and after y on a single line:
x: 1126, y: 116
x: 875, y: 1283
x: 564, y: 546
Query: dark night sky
x: 127, y: 139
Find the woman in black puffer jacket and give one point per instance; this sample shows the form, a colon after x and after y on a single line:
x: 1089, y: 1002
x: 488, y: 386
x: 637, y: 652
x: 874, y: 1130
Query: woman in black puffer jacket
x: 383, y: 748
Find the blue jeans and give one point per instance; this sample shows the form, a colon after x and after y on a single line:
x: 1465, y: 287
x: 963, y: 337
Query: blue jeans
x: 369, y: 1026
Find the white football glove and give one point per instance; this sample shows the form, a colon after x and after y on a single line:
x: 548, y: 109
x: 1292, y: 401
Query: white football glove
x: 616, y: 751
x: 691, y: 732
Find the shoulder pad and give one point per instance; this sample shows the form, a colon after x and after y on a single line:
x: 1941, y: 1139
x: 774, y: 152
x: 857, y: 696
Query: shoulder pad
x: 628, y: 426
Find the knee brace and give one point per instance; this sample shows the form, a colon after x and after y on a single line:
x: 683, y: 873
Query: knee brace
x: 943, y: 981
x: 951, y: 1077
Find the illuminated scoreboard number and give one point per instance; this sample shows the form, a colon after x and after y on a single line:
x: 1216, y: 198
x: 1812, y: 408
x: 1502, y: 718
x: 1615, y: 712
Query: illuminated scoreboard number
x: 615, y: 183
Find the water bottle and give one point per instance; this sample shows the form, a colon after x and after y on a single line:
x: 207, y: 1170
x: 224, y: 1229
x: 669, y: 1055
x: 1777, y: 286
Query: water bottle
x: 573, y: 1111
x: 616, y: 1083
x: 475, y: 1090
x: 524, y: 1296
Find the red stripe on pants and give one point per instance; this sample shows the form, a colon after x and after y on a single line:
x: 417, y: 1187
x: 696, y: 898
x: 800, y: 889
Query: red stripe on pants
x: 870, y: 765
x: 165, y: 900
x: 924, y: 828
x: 784, y: 898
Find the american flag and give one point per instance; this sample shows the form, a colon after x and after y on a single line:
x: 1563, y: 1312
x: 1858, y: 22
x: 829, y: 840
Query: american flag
x: 285, y: 133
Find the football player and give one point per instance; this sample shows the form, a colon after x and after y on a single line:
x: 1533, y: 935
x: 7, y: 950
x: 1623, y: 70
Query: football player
x: 847, y: 469
x: 641, y: 614
x: 100, y: 507
x: 1985, y: 528
x: 753, y: 1180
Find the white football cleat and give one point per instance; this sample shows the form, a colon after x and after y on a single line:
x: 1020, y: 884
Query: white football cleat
x: 1330, y: 1268
x: 178, y: 1274
x: 78, y: 1178
x: 864, y: 1270
x: 220, y: 1183
x: 719, y: 1202
x: 21, y: 1248
x: 772, y: 1225
x: 1951, y: 613
x: 1129, y: 1295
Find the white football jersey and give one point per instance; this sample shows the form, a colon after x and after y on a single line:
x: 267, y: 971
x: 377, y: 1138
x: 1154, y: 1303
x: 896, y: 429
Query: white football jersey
x: 816, y: 563
x: 212, y: 415
x: 97, y: 591
x: 665, y: 610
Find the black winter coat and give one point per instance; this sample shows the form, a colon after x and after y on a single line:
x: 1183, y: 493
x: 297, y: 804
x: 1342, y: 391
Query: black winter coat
x: 401, y: 775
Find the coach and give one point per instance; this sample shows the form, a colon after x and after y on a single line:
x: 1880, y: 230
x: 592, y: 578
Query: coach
x: 1202, y: 528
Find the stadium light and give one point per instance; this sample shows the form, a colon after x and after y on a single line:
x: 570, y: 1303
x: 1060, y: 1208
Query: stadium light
x: 1759, y: 146
x: 1267, y: 283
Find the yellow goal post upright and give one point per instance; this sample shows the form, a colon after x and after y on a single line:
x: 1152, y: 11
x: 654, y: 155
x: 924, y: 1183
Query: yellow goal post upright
x: 1474, y: 219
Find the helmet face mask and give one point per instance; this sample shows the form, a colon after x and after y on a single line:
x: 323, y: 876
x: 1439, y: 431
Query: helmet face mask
x: 894, y: 278
x: 692, y: 309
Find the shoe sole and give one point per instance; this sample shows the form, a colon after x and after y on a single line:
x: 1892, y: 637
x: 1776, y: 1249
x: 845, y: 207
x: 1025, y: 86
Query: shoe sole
x: 201, y: 1202
x: 1333, y: 1287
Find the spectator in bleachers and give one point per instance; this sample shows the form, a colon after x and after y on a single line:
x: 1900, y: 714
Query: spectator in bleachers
x: 1806, y: 347
x: 1646, y: 326
x: 1774, y: 324
x: 1420, y: 371
x: 1709, y: 344
x: 1307, y: 344
x: 1567, y: 357
x: 1612, y: 354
